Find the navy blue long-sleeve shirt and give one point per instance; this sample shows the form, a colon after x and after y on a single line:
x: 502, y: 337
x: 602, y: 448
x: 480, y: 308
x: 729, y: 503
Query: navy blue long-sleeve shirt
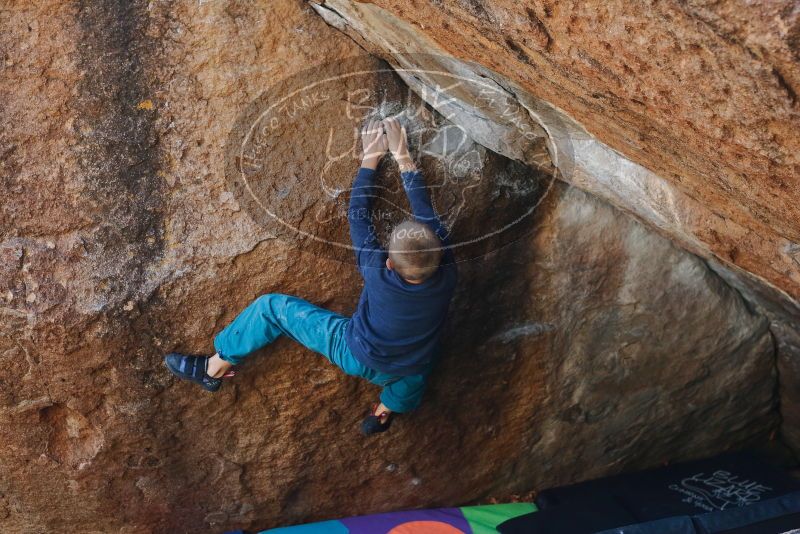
x: 397, y: 325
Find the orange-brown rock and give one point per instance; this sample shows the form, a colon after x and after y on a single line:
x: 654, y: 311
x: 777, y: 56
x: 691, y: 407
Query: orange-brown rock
x: 582, y: 342
x: 703, y: 95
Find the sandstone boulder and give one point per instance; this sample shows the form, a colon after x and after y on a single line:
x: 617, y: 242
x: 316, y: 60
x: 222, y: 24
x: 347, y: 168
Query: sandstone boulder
x: 581, y: 343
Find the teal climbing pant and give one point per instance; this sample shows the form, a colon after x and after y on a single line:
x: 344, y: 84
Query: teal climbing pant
x: 322, y: 331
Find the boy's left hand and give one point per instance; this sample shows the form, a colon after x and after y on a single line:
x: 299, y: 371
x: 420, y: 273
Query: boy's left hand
x: 373, y: 140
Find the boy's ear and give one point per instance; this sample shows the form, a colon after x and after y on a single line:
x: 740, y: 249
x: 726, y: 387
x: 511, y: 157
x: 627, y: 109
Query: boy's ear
x: 389, y: 264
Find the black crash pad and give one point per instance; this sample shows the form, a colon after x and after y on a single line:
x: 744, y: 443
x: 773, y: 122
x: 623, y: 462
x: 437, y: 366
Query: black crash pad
x: 687, y: 489
x: 773, y: 516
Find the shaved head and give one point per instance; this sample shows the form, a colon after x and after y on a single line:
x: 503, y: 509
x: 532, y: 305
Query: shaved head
x: 415, y: 251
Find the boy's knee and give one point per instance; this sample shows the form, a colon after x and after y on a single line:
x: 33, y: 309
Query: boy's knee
x: 400, y: 404
x: 404, y: 395
x: 270, y: 299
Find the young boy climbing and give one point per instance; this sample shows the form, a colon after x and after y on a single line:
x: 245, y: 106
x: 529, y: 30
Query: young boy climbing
x: 393, y: 337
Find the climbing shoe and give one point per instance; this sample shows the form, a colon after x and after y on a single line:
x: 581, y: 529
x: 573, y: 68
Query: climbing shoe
x: 192, y: 368
x: 374, y: 423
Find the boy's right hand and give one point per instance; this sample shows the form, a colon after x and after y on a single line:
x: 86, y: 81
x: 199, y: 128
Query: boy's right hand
x: 374, y: 144
x: 398, y: 144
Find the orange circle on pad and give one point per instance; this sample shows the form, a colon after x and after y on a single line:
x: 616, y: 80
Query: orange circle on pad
x: 425, y: 527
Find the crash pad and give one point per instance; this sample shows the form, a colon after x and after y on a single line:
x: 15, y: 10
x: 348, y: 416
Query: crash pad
x: 686, y: 489
x: 463, y: 520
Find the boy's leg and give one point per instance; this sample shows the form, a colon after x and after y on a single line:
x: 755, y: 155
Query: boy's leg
x: 400, y: 394
x: 258, y: 325
x: 404, y: 394
x: 273, y: 315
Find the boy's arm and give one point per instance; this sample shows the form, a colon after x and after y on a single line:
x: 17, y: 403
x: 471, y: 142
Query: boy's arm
x: 420, y: 200
x: 369, y: 252
x: 414, y: 183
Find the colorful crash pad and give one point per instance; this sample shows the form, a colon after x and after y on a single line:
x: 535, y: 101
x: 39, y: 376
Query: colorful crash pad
x: 464, y: 520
